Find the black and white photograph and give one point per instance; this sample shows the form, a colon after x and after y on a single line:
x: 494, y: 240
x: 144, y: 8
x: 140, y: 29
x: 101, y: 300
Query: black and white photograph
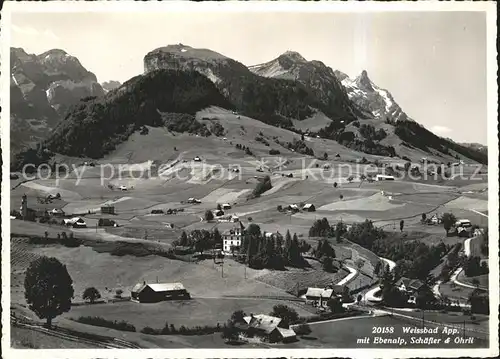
x: 249, y: 179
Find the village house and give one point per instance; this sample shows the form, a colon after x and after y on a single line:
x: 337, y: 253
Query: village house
x: 106, y: 209
x: 231, y: 239
x: 384, y: 178
x: 226, y: 206
x: 319, y: 297
x: 106, y: 222
x: 57, y: 212
x: 75, y: 222
x: 268, y: 328
x: 157, y: 292
x: 293, y: 208
x: 309, y: 207
x: 410, y: 286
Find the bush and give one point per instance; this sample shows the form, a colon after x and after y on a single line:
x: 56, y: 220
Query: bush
x: 101, y: 322
x: 262, y: 186
x: 303, y: 329
x: 274, y: 152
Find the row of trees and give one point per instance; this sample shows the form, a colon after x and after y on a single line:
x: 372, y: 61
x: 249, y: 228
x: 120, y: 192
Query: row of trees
x: 200, y: 239
x: 274, y: 252
x: 322, y: 228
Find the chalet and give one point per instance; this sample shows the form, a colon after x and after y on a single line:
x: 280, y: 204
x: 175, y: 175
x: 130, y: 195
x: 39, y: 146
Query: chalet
x: 193, y: 200
x: 384, y: 178
x: 226, y: 206
x: 309, y: 207
x: 57, y: 212
x: 157, y: 292
x: 122, y: 188
x: 409, y: 285
x: 463, y: 223
x: 293, y: 208
x: 75, y: 222
x: 268, y: 328
x: 319, y: 297
x: 108, y: 209
x: 197, y: 159
x: 106, y: 222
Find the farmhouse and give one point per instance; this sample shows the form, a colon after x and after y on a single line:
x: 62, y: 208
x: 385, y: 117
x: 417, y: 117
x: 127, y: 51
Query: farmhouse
x: 57, y: 212
x: 157, y: 292
x: 384, y: 178
x: 409, y: 285
x: 319, y: 297
x: 226, y: 206
x: 231, y: 239
x: 218, y: 213
x: 106, y: 222
x: 293, y: 208
x: 108, y: 209
x: 197, y: 159
x: 463, y: 223
x: 309, y: 207
x: 75, y: 222
x: 268, y: 328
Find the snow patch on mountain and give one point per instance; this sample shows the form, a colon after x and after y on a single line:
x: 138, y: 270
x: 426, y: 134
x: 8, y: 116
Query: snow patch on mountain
x: 367, y: 95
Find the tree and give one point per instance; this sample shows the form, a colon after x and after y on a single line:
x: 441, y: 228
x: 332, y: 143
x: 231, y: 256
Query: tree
x: 219, y: 207
x: 279, y: 208
x: 183, y: 240
x: 407, y: 166
x: 91, y: 294
x: 401, y: 225
x: 424, y: 218
x: 238, y: 317
x: 335, y: 305
x: 209, y: 216
x: 328, y: 264
x: 350, y: 179
x: 48, y: 288
x: 335, y: 184
x: 46, y: 234
x: 448, y: 220
x: 230, y: 332
x: 341, y: 197
x: 118, y: 293
x: 325, y: 156
x: 288, y: 315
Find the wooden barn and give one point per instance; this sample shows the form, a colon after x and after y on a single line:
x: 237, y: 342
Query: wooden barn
x: 157, y: 292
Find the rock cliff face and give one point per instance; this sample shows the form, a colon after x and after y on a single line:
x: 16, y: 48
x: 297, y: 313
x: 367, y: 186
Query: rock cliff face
x: 43, y: 87
x: 368, y: 96
x: 315, y: 75
x: 110, y: 85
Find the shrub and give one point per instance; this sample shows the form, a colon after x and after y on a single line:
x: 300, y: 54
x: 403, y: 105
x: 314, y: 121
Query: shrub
x: 274, y: 152
x: 303, y: 329
x: 101, y: 322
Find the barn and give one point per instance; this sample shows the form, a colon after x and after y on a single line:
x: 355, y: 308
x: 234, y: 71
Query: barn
x: 157, y: 292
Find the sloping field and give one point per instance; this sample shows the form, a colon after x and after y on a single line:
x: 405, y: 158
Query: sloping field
x: 198, y: 311
x: 314, y: 123
x: 49, y: 188
x: 294, y: 278
x: 469, y: 203
x: 376, y: 202
x: 108, y: 273
x: 224, y: 195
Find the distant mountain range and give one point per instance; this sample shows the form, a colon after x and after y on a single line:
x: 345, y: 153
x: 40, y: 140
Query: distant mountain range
x: 288, y: 92
x: 42, y: 88
x: 110, y: 85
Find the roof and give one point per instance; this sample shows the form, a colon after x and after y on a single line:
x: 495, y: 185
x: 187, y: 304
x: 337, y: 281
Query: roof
x: 320, y: 292
x: 308, y: 205
x: 286, y: 333
x: 410, y: 283
x: 57, y: 210
x: 164, y: 287
x: 263, y: 322
x: 158, y: 287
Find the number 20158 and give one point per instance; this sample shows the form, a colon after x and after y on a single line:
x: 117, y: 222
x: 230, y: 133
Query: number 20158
x: 382, y: 330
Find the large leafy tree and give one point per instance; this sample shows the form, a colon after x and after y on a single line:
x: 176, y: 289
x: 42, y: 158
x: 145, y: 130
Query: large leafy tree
x: 449, y: 220
x: 91, y: 294
x: 288, y: 315
x: 48, y: 288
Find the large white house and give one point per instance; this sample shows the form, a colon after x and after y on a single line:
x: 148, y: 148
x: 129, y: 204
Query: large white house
x: 231, y: 239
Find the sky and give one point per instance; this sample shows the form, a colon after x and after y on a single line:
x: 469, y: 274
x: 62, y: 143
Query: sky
x: 433, y: 63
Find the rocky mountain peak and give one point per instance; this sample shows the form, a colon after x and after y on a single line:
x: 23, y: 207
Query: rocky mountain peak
x: 364, y: 82
x: 294, y: 56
